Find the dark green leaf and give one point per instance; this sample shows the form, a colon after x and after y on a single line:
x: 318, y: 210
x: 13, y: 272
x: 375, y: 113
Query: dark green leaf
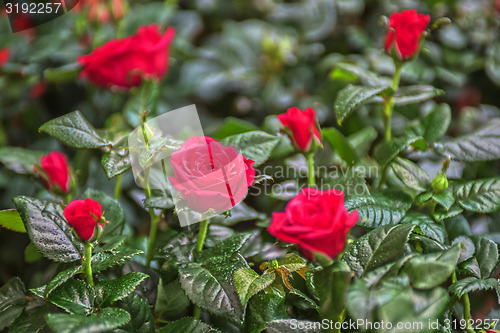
x: 74, y: 296
x: 110, y: 291
x: 377, y: 248
x: 103, y: 260
x: 378, y: 210
x: 340, y: 144
x: 415, y: 94
x: 115, y: 162
x: 481, y: 145
x: 59, y: 279
x: 10, y: 219
x: 426, y: 226
x: 362, y: 140
x: 48, y: 230
x: 436, y: 123
x: 332, y: 284
x: 233, y: 126
x: 210, y: 285
x: 20, y: 160
x: 292, y: 325
x: 74, y: 130
x: 480, y: 196
x: 248, y: 283
x: 387, y: 151
x: 12, y: 301
x: 106, y: 320
x: 470, y: 284
x: 366, y: 77
x: 31, y: 320
x: 263, y: 308
x: 142, y: 320
x: 486, y: 255
x: 171, y: 299
x: 226, y: 247
x: 142, y: 99
x: 255, y: 145
x: 349, y: 98
x: 187, y: 325
x: 411, y: 174
x: 430, y: 270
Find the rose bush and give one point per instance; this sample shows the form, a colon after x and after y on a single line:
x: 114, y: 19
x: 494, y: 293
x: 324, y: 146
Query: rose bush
x: 378, y: 204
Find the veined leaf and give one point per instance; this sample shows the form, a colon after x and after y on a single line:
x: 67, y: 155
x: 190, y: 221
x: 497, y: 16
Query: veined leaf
x: 74, y: 296
x: 12, y: 301
x: 436, y: 123
x: 107, y: 319
x: 74, y: 130
x: 349, y: 98
x: 486, y: 255
x: 480, y: 196
x: 387, y: 151
x: 411, y: 174
x: 481, y: 145
x: 48, y: 230
x: 248, y: 283
x: 470, y: 284
x: 142, y: 320
x: 255, y: 145
x: 110, y: 291
x: 415, y: 94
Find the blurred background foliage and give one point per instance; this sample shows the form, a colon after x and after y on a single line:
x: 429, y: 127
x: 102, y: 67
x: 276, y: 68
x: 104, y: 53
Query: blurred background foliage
x: 241, y: 62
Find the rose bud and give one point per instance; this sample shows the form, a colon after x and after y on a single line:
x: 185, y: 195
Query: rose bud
x: 55, y: 171
x: 125, y: 62
x: 210, y: 176
x: 301, y: 128
x: 85, y: 216
x: 317, y: 221
x: 4, y: 56
x: 405, y: 31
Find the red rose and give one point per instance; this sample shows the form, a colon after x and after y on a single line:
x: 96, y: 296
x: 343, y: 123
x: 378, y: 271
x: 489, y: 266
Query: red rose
x: 302, y: 125
x: 83, y: 215
x: 124, y: 62
x: 54, y: 169
x: 209, y: 175
x: 4, y: 56
x: 405, y: 30
x: 315, y: 220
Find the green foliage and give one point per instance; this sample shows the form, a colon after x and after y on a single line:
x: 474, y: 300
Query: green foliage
x: 351, y: 97
x: 114, y: 290
x: 107, y: 319
x: 12, y: 301
x: 10, y: 219
x: 255, y: 145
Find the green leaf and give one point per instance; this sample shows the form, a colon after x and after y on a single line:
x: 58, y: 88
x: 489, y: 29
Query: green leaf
x: 340, y: 144
x: 12, y: 301
x: 20, y: 160
x: 442, y: 213
x: 48, y: 230
x: 481, y: 145
x: 426, y: 225
x: 115, y: 162
x: 75, y: 131
x: 480, y: 196
x: 378, y: 209
x: 387, y: 151
x: 411, y: 174
x: 31, y: 320
x: 377, y: 248
x: 349, y: 98
x: 436, y: 123
x: 142, y: 320
x: 430, y: 270
x: 226, y: 247
x: 255, y: 145
x: 292, y: 262
x: 470, y: 284
x: 332, y: 284
x: 62, y: 74
x: 171, y: 299
x: 445, y: 199
x: 107, y: 319
x: 415, y: 307
x: 10, y: 219
x: 248, y: 283
x: 110, y: 291
x: 103, y: 260
x: 74, y: 296
x: 263, y: 308
x: 233, y: 126
x: 60, y: 278
x: 112, y: 211
x: 415, y: 94
x: 486, y: 255
x: 366, y: 77
x: 187, y: 325
x: 31, y: 254
x: 210, y: 285
x: 362, y: 140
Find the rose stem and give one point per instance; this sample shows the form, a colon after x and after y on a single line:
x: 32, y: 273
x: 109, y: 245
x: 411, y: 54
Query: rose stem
x: 202, y: 234
x: 155, y: 219
x: 311, y: 181
x: 118, y: 186
x: 88, y: 262
x: 465, y: 299
x: 389, y: 102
